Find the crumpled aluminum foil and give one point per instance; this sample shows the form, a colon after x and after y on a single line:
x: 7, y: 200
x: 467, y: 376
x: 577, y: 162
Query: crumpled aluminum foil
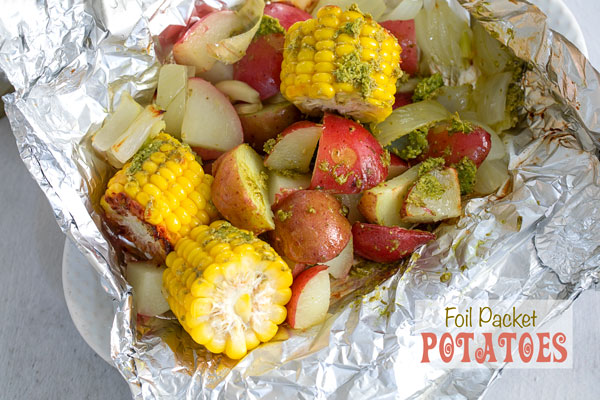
x: 538, y: 238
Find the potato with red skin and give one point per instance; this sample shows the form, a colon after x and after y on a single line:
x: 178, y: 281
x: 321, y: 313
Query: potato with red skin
x: 387, y: 244
x: 349, y: 158
x: 404, y: 31
x: 310, y: 298
x: 287, y: 14
x: 239, y: 190
x: 310, y: 227
x: 402, y: 99
x: 267, y: 123
x: 261, y: 65
x: 453, y: 146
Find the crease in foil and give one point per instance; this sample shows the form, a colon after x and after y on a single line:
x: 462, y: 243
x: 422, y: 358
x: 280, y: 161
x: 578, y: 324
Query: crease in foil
x: 537, y: 238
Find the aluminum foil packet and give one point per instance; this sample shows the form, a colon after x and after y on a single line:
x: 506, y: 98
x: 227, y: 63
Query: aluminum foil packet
x: 537, y: 238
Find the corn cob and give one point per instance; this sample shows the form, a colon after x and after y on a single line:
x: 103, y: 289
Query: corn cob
x: 341, y: 61
x: 158, y: 197
x: 227, y: 288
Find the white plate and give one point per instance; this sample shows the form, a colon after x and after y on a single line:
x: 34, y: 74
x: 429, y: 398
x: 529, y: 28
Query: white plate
x: 91, y: 308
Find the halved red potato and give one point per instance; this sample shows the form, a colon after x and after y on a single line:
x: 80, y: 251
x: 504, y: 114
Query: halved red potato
x: 340, y: 265
x: 239, y: 190
x: 310, y: 298
x: 349, y: 159
x: 267, y: 123
x: 295, y: 147
x: 310, y: 227
x: 397, y: 166
x: 407, y: 37
x: 383, y: 204
x: 287, y: 14
x: 281, y: 186
x: 423, y: 205
x: 453, y: 146
x: 191, y: 48
x: 387, y: 244
x: 261, y: 66
x: 209, y: 121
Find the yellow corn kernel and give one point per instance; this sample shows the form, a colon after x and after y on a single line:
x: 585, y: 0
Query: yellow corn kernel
x: 379, y: 94
x: 185, y: 184
x: 166, y: 147
x: 149, y: 166
x: 385, y: 68
x: 290, y: 79
x: 196, y: 167
x: 173, y: 224
x: 368, y: 30
x: 322, y: 77
x: 158, y: 181
x: 184, y: 231
x: 132, y: 189
x: 325, y: 45
x: 203, y: 217
x: 166, y: 173
x: 176, y: 190
x: 141, y: 178
x: 344, y: 38
x: 152, y: 190
x: 344, y: 49
x: 182, y: 216
x: 143, y: 198
x: 330, y: 21
x: 368, y: 55
x: 324, y: 67
x: 329, y: 10
x: 305, y: 67
x: 302, y: 79
x: 159, y: 158
x: 306, y: 54
x: 324, y: 34
x: 324, y: 56
x: 368, y: 43
x: 347, y: 16
x: 308, y: 41
x: 343, y: 87
x: 153, y: 217
x: 307, y: 27
x: 321, y: 90
x: 174, y: 167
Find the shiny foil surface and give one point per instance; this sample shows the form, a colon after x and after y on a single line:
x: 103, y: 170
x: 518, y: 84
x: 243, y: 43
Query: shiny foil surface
x: 537, y: 238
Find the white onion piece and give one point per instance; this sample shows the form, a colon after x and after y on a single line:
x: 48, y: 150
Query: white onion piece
x: 238, y: 91
x: 232, y: 49
x: 490, y: 176
x: 407, y: 9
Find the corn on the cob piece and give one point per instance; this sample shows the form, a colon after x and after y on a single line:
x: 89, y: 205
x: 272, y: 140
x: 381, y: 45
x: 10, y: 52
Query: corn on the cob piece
x: 341, y: 61
x: 159, y: 196
x: 227, y: 288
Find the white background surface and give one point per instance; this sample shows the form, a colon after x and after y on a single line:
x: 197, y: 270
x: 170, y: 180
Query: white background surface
x: 42, y: 355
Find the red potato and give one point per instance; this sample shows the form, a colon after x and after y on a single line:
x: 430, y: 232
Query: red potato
x: 387, y: 244
x: 239, y: 190
x: 421, y: 207
x: 207, y: 154
x: 268, y: 123
x: 294, y: 266
x: 295, y: 148
x: 310, y: 227
x: 209, y: 120
x: 349, y: 159
x: 339, y: 266
x: 453, y: 146
x: 397, y: 166
x: 261, y: 65
x: 404, y: 31
x: 310, y: 298
x: 402, y: 99
x: 281, y: 186
x: 287, y: 14
x: 191, y: 48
